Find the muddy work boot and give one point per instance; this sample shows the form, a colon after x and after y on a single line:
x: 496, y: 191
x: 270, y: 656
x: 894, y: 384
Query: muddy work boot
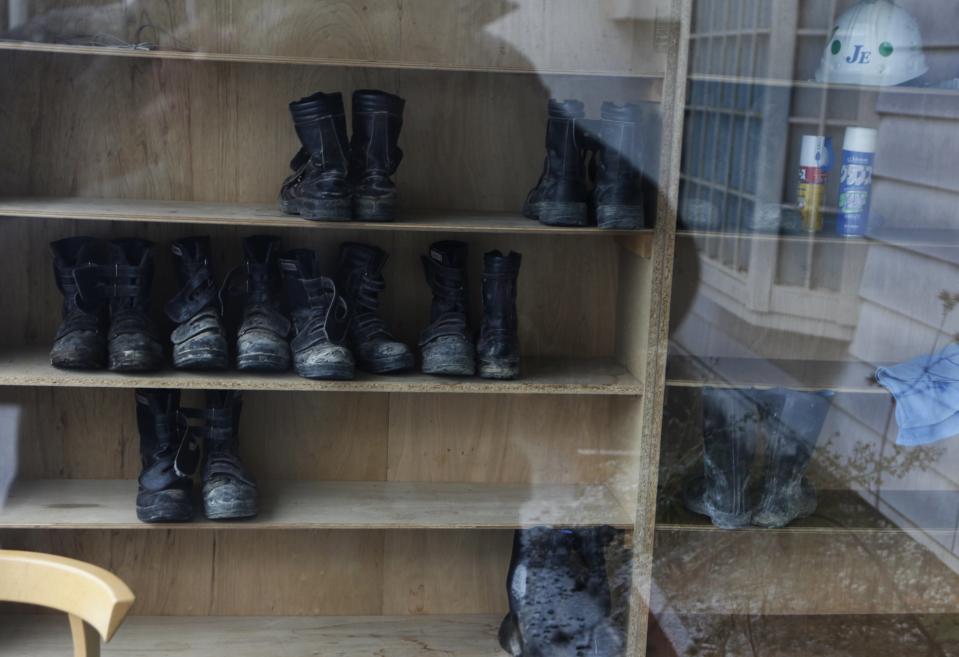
x: 199, y: 340
x: 81, y: 341
x: 229, y: 490
x: 730, y: 424
x: 793, y: 424
x: 374, y: 154
x: 319, y: 188
x: 559, y: 597
x: 320, y: 319
x: 498, y: 346
x: 617, y: 196
x: 359, y: 275
x: 134, y: 343
x: 261, y: 340
x: 446, y: 344
x: 559, y: 198
x: 169, y: 456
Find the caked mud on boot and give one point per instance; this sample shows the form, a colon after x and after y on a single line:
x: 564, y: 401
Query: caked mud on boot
x: 81, y: 340
x: 730, y: 425
x: 320, y: 317
x: 229, y: 490
x: 793, y: 422
x: 262, y: 339
x: 446, y: 345
x: 199, y: 339
x: 374, y: 153
x: 617, y: 195
x: 498, y: 347
x: 559, y: 198
x: 559, y: 597
x: 359, y: 276
x: 169, y: 456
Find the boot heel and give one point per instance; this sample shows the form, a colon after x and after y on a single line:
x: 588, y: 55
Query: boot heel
x: 325, y: 209
x: 554, y: 213
x: 620, y: 217
x: 368, y: 208
x: 498, y: 369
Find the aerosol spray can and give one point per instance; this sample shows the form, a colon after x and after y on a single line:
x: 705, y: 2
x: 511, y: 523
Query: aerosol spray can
x: 855, y: 181
x: 814, y: 162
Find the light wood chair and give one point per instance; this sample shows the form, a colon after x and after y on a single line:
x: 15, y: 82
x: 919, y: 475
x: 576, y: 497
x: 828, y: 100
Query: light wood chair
x: 96, y: 601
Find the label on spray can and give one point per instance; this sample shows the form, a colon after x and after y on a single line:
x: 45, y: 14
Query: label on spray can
x: 814, y: 162
x: 855, y: 181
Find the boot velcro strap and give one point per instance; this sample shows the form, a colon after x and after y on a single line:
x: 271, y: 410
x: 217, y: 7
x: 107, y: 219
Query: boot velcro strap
x: 448, y: 325
x: 197, y: 293
x: 227, y: 464
x: 171, y: 468
x: 78, y: 320
x: 206, y: 321
x: 130, y: 320
x: 264, y: 317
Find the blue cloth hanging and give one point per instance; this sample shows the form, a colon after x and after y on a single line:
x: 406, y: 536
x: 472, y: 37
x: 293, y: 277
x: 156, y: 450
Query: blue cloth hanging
x: 927, y: 396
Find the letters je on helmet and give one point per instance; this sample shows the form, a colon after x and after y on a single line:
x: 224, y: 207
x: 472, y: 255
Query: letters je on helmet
x: 875, y: 43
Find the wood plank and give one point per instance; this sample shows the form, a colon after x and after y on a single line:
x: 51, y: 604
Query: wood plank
x: 109, y: 504
x: 29, y: 366
x: 268, y: 216
x: 343, y: 636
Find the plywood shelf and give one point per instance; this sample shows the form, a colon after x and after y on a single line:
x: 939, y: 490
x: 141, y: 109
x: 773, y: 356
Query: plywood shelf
x: 330, y: 636
x: 30, y: 366
x: 840, y: 376
x: 110, y: 504
x: 268, y: 216
x: 252, y: 58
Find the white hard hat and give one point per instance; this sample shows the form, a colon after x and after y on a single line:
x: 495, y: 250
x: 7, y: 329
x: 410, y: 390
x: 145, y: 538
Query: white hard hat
x: 874, y: 43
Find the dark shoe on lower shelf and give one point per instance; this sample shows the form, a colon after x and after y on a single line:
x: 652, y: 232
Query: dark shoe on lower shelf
x: 446, y: 345
x: 81, y: 341
x: 498, y: 348
x: 199, y: 339
x: 134, y: 343
x: 169, y: 456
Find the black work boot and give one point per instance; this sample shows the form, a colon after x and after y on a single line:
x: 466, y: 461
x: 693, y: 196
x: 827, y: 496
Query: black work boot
x: 261, y: 341
x: 617, y: 196
x: 559, y: 198
x: 81, y: 341
x: 199, y: 340
x: 320, y: 189
x: 498, y: 346
x: 375, y: 156
x: 446, y: 344
x: 134, y: 343
x: 793, y: 423
x: 229, y: 490
x: 359, y: 275
x: 730, y: 423
x: 559, y: 600
x: 320, y: 319
x: 169, y: 456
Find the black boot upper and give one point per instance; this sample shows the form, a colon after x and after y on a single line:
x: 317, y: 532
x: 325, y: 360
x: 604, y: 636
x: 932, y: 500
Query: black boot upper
x: 359, y: 276
x: 563, y: 177
x: 320, y: 123
x: 261, y: 308
x: 617, y: 176
x: 80, y: 339
x: 375, y: 154
x: 128, y: 281
x: 499, y: 339
x: 168, y: 453
x: 445, y: 269
x: 320, y: 315
x: 218, y: 430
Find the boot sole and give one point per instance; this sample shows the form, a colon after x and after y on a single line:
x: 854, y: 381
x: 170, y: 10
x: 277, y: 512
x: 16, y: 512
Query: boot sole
x: 389, y: 364
x: 328, y: 372
x: 79, y: 364
x: 231, y: 511
x: 262, y: 363
x: 372, y: 209
x: 449, y: 366
x: 560, y: 214
x: 325, y: 210
x: 620, y: 217
x: 200, y: 360
x: 492, y: 369
x: 165, y: 512
x: 134, y: 362
x: 289, y: 207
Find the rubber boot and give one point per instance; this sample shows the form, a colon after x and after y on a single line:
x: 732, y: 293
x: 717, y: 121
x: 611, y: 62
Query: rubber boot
x: 359, y: 274
x: 498, y: 346
x: 793, y: 423
x: 446, y: 345
x: 229, y: 490
x: 321, y: 319
x: 81, y: 341
x: 617, y: 195
x: 559, y: 198
x: 730, y: 423
x: 168, y: 455
x: 322, y: 190
x: 199, y: 340
x: 375, y: 156
x: 261, y: 340
x: 133, y: 341
x: 559, y: 602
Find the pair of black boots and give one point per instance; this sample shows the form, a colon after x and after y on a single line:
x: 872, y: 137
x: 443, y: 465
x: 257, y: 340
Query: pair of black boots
x: 591, y: 171
x: 171, y: 441
x: 335, y: 179
x: 559, y: 595
x: 446, y: 345
x: 732, y: 419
